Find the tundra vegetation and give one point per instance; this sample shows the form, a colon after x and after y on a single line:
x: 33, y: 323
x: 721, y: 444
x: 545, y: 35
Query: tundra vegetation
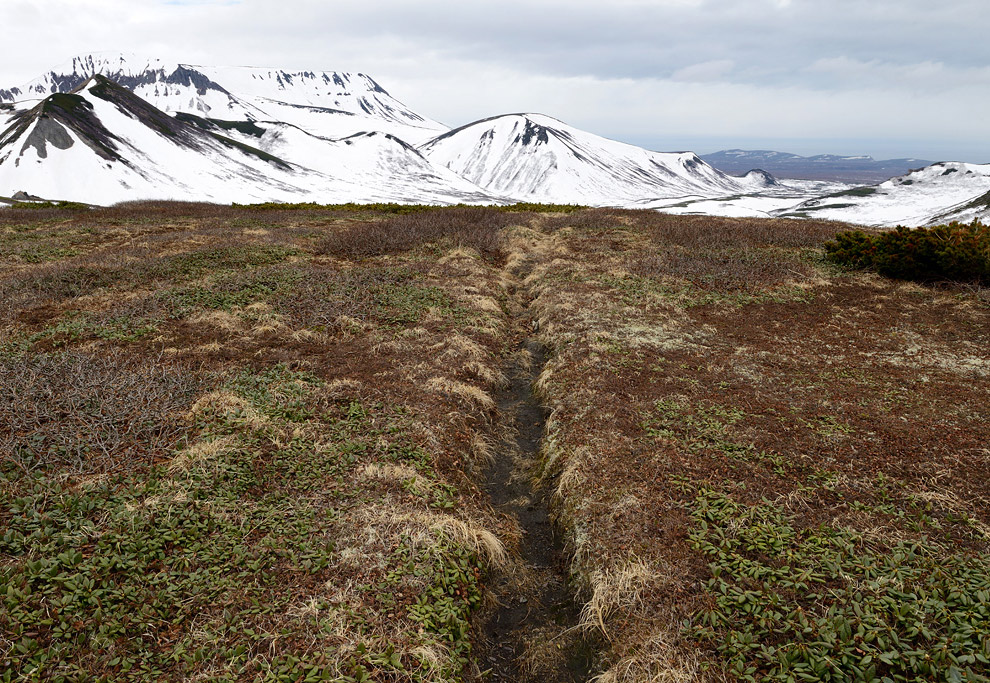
x: 251, y: 443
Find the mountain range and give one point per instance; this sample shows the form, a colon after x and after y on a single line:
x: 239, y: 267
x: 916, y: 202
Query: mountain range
x: 109, y: 128
x: 845, y: 169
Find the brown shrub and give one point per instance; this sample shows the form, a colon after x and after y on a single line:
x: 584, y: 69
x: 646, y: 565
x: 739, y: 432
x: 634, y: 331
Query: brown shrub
x: 58, y: 281
x: 126, y: 211
x: 84, y: 414
x: 479, y: 228
x: 702, y: 231
x: 589, y: 219
x: 169, y: 209
x: 736, y: 270
x: 714, y: 232
x: 132, y: 267
x: 326, y: 295
x: 728, y: 254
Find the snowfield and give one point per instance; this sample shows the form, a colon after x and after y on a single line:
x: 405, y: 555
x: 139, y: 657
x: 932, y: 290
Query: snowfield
x: 936, y: 193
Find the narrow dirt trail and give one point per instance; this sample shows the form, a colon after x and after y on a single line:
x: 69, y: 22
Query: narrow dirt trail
x: 532, y: 634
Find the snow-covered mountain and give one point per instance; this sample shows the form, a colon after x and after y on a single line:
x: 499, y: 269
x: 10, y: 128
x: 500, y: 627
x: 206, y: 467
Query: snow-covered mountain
x: 537, y: 158
x: 934, y: 194
x: 328, y: 104
x: 102, y: 144
x: 343, y: 126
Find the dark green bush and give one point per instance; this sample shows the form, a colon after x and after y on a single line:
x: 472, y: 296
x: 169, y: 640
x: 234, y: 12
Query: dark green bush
x: 956, y: 251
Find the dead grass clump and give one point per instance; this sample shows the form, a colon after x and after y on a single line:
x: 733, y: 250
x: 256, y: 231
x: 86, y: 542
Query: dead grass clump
x: 200, y: 452
x: 466, y: 392
x: 466, y: 534
x: 478, y: 228
x: 656, y: 661
x: 615, y: 588
x: 482, y: 451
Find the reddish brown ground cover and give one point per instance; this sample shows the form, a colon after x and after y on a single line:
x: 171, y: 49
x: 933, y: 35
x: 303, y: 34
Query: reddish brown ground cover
x: 245, y: 444
x: 730, y: 452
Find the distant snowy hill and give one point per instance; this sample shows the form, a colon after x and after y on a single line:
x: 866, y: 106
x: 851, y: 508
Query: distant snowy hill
x: 377, y: 161
x: 538, y: 158
x: 934, y: 194
x: 848, y: 169
x: 102, y: 144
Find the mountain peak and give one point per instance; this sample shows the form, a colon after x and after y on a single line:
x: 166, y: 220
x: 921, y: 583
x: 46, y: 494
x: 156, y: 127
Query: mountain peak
x: 539, y: 158
x: 243, y: 94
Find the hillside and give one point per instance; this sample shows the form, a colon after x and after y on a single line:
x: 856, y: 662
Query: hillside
x: 102, y: 144
x: 252, y: 443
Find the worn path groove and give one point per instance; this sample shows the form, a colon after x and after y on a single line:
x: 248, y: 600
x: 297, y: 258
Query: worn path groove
x: 533, y: 632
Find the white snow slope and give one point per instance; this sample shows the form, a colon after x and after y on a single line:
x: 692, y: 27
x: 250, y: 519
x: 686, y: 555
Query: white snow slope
x: 372, y: 160
x: 934, y: 194
x: 104, y: 145
x: 532, y: 157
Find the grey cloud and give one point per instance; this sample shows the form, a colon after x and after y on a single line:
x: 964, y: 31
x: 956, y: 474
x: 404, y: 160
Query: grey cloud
x: 647, y: 71
x: 658, y: 39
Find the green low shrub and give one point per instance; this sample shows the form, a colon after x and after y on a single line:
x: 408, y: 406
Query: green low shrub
x: 787, y: 603
x: 956, y: 251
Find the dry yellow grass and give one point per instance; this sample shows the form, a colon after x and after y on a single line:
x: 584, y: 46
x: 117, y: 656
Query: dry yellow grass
x: 201, y: 451
x: 228, y: 404
x: 657, y: 662
x: 617, y: 587
x: 462, y: 390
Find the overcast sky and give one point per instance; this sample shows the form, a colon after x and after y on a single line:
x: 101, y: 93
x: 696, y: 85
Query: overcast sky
x: 890, y: 78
